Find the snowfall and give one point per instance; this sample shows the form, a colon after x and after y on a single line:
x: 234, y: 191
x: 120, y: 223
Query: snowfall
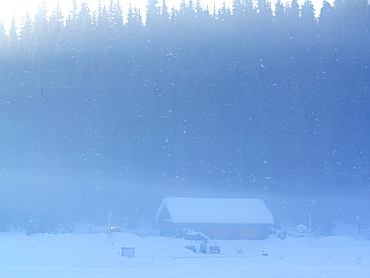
x: 89, y: 252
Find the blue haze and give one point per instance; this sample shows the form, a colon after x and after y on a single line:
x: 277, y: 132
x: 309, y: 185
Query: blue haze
x: 100, y: 114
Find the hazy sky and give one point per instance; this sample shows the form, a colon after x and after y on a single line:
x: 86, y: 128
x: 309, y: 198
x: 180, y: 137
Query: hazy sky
x: 19, y: 7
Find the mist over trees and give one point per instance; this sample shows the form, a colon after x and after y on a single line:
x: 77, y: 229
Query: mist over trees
x: 112, y: 110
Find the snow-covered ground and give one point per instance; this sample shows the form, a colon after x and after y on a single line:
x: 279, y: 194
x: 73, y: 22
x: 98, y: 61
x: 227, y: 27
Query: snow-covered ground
x: 81, y: 255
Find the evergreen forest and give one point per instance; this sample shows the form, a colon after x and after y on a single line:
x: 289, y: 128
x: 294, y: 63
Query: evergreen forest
x: 112, y: 110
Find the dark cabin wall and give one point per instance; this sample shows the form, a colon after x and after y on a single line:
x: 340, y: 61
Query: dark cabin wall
x: 218, y: 231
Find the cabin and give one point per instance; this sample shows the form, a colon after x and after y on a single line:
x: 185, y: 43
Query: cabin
x: 218, y: 218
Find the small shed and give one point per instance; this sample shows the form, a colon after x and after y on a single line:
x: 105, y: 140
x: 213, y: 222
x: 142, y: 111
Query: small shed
x: 219, y: 218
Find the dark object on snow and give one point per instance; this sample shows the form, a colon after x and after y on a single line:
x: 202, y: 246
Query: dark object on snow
x: 191, y: 248
x: 128, y: 252
x: 203, y: 248
x: 282, y: 234
x: 214, y: 249
x: 264, y: 254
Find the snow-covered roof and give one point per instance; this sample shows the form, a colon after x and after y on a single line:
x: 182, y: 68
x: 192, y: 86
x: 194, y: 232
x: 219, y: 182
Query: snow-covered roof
x: 214, y: 210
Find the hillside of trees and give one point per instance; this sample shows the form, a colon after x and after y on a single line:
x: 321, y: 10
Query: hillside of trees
x: 113, y: 110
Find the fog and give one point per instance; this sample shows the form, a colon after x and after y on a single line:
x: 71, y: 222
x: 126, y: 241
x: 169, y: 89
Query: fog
x: 98, y: 114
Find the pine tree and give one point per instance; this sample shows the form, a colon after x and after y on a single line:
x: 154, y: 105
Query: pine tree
x: 152, y: 15
x: 26, y: 37
x: 42, y: 44
x: 13, y: 48
x: 3, y: 56
x: 56, y: 22
x: 116, y: 19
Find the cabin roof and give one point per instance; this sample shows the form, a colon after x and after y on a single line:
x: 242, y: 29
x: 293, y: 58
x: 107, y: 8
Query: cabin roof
x: 214, y: 210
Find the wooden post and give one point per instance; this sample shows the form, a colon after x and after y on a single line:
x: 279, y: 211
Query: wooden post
x: 310, y: 227
x: 109, y: 225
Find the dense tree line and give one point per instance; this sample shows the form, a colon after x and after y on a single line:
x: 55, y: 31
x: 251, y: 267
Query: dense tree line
x: 251, y: 100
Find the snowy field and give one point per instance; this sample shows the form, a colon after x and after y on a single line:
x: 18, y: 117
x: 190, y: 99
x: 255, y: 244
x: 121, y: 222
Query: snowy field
x: 81, y: 255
